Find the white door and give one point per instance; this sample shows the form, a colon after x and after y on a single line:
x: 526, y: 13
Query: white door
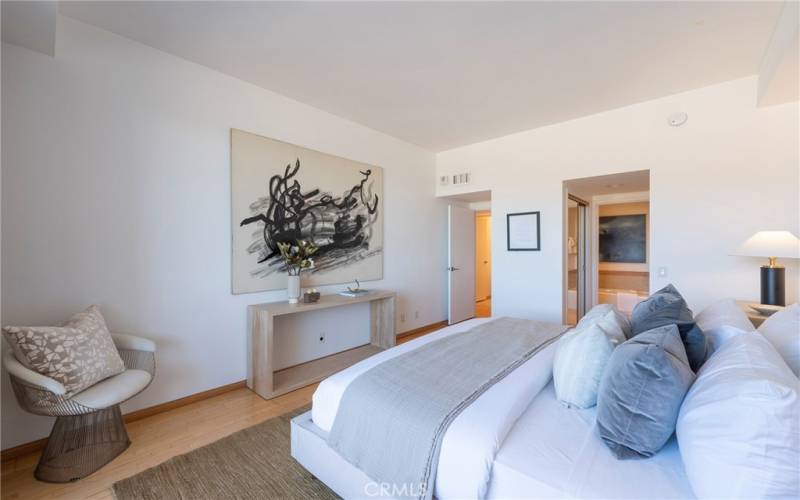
x: 461, y: 263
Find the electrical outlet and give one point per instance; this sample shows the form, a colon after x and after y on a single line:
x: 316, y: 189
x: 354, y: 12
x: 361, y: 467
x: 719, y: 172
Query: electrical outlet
x: 416, y: 314
x: 402, y: 317
x: 322, y: 338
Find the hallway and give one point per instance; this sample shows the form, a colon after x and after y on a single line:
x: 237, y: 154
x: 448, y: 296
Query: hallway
x: 483, y: 308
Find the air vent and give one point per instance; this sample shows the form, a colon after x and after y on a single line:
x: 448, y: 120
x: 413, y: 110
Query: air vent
x: 460, y: 179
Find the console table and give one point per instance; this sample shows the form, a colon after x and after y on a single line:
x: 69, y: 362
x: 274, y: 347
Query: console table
x: 269, y: 383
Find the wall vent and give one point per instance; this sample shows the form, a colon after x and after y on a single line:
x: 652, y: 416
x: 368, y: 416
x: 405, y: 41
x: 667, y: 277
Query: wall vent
x: 460, y: 179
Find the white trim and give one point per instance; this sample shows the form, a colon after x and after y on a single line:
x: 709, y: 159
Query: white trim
x: 481, y: 205
x: 610, y: 199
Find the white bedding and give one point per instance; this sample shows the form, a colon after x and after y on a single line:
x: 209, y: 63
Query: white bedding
x: 555, y: 452
x: 474, y: 437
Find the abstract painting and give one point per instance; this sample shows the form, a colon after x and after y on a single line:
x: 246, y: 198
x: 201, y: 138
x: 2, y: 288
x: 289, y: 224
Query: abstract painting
x: 623, y: 238
x: 282, y: 193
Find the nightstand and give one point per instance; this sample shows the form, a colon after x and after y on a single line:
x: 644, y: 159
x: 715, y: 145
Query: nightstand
x: 754, y: 316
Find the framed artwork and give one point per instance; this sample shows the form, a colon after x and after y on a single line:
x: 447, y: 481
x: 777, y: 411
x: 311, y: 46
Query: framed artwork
x: 623, y: 239
x: 522, y: 232
x: 281, y: 193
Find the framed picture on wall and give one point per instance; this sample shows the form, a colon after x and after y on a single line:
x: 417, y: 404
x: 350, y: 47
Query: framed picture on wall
x: 522, y: 232
x: 623, y: 239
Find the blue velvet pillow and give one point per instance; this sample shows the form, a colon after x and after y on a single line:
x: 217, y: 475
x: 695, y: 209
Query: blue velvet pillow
x: 668, y: 307
x: 641, y: 392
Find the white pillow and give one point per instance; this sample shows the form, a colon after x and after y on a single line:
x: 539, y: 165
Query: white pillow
x: 739, y: 425
x: 721, y: 321
x: 723, y: 313
x: 582, y: 354
x: 782, y: 329
x: 578, y: 366
x: 593, y: 313
x: 615, y: 324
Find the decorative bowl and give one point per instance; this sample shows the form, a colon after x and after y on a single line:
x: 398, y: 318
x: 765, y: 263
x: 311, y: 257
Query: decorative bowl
x: 764, y: 309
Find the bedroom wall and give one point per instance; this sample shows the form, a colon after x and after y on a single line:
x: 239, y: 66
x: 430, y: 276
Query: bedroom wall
x: 116, y: 191
x: 731, y: 170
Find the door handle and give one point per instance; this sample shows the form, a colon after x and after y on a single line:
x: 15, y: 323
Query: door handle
x: 451, y: 268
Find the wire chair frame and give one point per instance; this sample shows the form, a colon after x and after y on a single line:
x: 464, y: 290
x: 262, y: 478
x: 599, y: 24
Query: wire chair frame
x: 83, y: 439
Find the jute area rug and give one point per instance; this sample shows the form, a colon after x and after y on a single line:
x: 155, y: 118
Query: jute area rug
x: 253, y: 463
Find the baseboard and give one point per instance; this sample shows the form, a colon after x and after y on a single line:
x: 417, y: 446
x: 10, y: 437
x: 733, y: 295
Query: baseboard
x: 39, y: 444
x: 177, y: 403
x: 424, y: 329
x: 22, y: 450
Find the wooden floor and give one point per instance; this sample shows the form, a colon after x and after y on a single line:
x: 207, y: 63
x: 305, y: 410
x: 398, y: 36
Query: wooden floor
x: 483, y: 308
x: 158, y: 438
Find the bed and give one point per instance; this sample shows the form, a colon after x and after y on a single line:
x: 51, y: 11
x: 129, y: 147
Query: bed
x: 514, y: 441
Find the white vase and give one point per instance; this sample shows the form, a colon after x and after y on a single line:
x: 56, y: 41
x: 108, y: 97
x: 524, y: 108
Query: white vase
x: 293, y: 289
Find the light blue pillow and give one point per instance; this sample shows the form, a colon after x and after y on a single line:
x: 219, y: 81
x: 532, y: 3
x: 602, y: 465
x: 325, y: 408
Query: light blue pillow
x: 578, y: 366
x: 641, y: 392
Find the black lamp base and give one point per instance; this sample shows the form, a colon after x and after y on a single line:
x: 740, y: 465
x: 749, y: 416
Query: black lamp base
x: 773, y: 286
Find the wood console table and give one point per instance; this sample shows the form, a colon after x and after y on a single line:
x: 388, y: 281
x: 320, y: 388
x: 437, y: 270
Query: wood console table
x: 268, y: 383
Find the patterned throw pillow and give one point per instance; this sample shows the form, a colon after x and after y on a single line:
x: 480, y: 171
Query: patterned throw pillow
x: 78, y: 354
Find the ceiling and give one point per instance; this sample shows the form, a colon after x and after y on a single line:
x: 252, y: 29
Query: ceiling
x: 626, y: 182
x: 446, y: 74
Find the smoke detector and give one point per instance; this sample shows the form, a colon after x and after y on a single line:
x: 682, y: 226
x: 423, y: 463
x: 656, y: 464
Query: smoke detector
x: 677, y: 119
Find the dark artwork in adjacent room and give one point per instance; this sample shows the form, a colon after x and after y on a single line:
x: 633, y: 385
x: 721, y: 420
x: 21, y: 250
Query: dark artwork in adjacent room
x: 623, y: 238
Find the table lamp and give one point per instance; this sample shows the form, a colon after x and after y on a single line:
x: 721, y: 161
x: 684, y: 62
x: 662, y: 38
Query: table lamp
x: 772, y: 244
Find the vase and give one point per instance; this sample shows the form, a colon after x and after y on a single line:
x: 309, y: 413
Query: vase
x: 293, y: 289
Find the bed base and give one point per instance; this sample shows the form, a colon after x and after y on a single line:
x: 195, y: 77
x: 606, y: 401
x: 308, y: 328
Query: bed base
x: 310, y: 448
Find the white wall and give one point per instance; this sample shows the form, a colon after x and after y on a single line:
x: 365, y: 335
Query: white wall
x: 731, y: 170
x: 116, y: 191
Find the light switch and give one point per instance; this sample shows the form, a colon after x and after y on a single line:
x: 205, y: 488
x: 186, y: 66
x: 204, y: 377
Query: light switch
x: 662, y: 272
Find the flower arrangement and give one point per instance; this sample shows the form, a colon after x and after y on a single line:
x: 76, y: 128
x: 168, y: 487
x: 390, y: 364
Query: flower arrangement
x: 297, y: 255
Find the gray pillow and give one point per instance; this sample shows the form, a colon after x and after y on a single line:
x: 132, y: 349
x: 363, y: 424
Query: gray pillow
x: 668, y: 307
x: 641, y: 393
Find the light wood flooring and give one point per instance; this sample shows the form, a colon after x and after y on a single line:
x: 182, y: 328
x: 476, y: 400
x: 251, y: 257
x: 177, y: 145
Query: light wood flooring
x: 483, y: 308
x: 159, y: 437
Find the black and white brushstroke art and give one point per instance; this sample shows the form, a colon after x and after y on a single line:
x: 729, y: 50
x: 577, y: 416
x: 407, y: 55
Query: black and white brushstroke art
x: 282, y: 192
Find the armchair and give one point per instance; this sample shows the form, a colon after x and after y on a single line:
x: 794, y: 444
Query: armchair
x: 89, y: 430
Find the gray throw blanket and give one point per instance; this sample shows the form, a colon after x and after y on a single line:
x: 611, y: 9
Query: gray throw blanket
x: 392, y: 419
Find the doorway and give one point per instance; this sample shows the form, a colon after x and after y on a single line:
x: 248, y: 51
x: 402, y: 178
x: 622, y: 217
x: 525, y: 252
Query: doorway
x: 577, y: 289
x: 483, y: 264
x: 469, y: 261
x: 611, y: 262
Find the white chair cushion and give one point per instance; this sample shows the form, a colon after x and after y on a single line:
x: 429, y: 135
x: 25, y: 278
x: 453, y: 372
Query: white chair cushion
x: 125, y: 341
x: 782, y: 329
x: 738, y: 425
x: 113, y: 390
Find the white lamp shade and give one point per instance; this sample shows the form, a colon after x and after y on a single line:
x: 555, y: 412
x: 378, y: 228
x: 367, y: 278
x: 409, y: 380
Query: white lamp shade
x: 782, y: 244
